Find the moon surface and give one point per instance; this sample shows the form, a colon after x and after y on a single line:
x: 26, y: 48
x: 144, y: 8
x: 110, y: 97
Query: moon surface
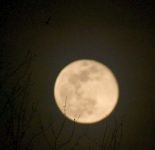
x: 86, y: 91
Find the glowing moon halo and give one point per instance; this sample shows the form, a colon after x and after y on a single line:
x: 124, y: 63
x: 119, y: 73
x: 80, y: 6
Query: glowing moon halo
x: 86, y: 91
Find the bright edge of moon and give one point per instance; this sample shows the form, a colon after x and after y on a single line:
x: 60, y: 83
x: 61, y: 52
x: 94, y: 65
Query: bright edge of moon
x: 86, y: 91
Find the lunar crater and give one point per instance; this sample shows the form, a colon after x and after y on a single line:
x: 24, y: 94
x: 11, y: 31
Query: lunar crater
x: 84, y: 107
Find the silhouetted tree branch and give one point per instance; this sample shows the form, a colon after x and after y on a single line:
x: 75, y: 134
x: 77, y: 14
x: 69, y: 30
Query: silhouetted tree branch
x: 111, y: 137
x: 15, y: 111
x: 18, y: 111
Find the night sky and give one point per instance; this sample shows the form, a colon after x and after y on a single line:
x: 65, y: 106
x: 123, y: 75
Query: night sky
x: 118, y: 34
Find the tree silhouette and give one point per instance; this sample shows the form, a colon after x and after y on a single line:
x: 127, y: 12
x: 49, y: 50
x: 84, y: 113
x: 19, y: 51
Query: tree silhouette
x: 19, y: 110
x: 16, y: 110
x: 110, y: 139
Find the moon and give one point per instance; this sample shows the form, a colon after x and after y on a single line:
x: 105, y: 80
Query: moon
x: 86, y: 91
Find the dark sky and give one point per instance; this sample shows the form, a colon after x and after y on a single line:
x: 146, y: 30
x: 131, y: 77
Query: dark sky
x: 119, y: 34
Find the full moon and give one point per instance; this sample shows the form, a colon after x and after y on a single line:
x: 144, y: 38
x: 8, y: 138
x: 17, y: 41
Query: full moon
x: 86, y: 91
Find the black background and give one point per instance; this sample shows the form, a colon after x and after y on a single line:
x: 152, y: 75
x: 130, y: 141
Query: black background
x: 119, y: 34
